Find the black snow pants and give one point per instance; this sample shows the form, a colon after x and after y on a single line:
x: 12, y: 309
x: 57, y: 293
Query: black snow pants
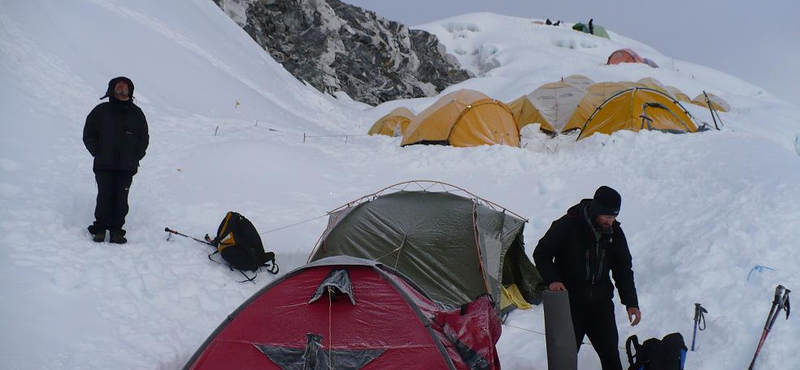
x: 597, y: 322
x: 112, y: 200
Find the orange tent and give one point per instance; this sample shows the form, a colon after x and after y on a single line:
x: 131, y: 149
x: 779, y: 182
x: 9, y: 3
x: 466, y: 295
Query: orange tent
x: 716, y: 102
x: 639, y: 108
x: 624, y: 56
x: 678, y: 94
x: 592, y: 98
x: 394, y: 123
x: 652, y: 83
x: 463, y: 118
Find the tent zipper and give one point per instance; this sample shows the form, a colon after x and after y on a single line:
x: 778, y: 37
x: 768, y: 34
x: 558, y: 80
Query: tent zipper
x: 600, y: 267
x: 588, y: 269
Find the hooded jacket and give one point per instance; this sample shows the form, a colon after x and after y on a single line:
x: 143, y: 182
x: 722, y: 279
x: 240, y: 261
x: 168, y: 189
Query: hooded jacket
x: 116, y: 132
x: 574, y: 253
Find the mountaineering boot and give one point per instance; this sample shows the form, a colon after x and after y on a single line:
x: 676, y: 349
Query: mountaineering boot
x: 99, y: 236
x: 118, y: 238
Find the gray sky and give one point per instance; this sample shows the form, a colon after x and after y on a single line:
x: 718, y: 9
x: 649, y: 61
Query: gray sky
x: 756, y: 40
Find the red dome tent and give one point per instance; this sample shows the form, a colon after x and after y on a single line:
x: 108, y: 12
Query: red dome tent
x: 624, y: 56
x: 350, y: 314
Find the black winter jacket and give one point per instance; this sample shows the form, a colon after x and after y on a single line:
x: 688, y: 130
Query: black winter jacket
x: 573, y: 253
x: 116, y: 135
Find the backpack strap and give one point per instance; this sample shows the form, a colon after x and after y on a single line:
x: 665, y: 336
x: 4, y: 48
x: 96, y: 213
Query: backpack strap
x: 269, y: 263
x: 247, y: 278
x: 632, y: 353
x: 213, y: 260
x: 272, y: 268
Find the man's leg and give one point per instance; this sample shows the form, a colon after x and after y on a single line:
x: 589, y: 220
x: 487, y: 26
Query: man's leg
x: 602, y: 331
x: 579, y: 321
x: 103, y: 207
x: 122, y: 184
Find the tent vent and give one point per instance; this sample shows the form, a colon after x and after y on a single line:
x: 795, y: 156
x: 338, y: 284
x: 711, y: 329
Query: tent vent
x: 337, y: 283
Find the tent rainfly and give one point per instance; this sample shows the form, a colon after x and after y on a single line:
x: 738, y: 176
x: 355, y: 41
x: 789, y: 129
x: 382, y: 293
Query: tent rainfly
x: 579, y: 81
x: 394, y: 123
x: 591, y: 99
x: 463, y: 118
x: 637, y: 109
x: 650, y: 62
x: 624, y: 56
x: 716, y: 102
x: 678, y: 94
x: 597, y: 30
x: 550, y: 105
x: 455, y: 247
x: 350, y: 313
x: 652, y: 83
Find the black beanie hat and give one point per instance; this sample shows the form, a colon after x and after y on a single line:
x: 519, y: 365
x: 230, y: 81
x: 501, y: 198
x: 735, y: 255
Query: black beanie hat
x: 606, y: 201
x: 113, y: 82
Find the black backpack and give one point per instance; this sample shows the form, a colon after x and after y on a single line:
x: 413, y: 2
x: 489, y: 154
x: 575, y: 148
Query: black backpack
x: 238, y: 242
x: 669, y: 353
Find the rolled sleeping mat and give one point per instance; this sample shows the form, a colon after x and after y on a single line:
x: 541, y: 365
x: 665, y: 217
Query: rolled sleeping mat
x: 562, y: 351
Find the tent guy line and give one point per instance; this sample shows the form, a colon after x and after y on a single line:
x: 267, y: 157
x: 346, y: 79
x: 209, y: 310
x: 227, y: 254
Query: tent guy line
x: 294, y: 224
x: 544, y: 335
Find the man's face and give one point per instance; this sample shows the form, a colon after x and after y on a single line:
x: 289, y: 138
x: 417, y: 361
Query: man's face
x: 121, y: 90
x: 606, y: 221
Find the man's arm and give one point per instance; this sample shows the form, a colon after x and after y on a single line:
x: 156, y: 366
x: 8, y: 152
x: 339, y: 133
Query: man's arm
x: 622, y: 271
x: 546, y: 251
x: 91, y: 132
x: 144, y: 140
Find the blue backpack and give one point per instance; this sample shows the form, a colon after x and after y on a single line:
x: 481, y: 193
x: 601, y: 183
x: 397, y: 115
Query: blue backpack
x: 668, y: 353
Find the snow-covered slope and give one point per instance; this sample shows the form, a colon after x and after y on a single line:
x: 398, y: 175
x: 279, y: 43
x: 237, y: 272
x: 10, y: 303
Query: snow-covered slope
x: 514, y: 56
x: 699, y: 210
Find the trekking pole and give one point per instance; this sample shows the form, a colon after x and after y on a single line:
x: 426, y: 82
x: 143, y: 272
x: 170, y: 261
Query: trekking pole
x: 781, y: 302
x: 710, y: 108
x: 173, y: 232
x: 699, y: 321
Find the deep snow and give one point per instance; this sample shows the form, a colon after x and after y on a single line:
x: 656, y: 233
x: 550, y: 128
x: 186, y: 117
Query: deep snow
x: 700, y: 210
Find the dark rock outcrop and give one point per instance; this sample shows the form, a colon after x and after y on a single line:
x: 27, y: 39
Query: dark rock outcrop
x: 339, y: 47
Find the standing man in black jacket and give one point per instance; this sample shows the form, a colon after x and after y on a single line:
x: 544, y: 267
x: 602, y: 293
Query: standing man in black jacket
x: 116, y: 135
x: 576, y: 255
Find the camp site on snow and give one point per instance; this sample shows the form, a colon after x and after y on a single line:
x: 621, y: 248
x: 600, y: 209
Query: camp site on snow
x: 320, y: 185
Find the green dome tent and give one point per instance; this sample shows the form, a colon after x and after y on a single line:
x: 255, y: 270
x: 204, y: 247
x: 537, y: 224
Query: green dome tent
x: 455, y: 247
x: 599, y: 31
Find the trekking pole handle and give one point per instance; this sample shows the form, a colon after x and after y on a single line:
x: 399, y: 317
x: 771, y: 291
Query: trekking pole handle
x: 785, y: 302
x: 777, y: 303
x: 174, y: 232
x: 167, y: 229
x: 778, y: 291
x: 699, y: 316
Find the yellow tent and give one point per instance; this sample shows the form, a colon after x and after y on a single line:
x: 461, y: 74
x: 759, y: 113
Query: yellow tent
x: 579, y: 81
x: 592, y: 98
x: 550, y: 105
x: 637, y: 109
x: 653, y: 84
x: 463, y: 118
x: 716, y: 102
x: 394, y: 123
x: 678, y: 94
